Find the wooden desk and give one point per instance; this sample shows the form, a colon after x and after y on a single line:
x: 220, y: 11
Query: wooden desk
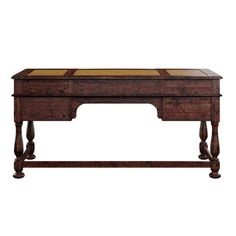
x: 177, y: 94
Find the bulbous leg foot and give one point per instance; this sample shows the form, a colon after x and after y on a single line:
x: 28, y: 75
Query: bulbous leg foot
x: 18, y: 175
x: 215, y: 175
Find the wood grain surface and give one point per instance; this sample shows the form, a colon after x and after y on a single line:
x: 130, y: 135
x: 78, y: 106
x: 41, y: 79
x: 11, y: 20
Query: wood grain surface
x: 177, y: 94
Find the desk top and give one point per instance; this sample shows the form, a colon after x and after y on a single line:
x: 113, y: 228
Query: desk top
x: 116, y: 74
x: 178, y: 94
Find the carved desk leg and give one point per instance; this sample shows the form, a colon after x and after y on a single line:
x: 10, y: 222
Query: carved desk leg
x: 18, y: 164
x: 203, y: 144
x: 30, y: 137
x: 215, y: 150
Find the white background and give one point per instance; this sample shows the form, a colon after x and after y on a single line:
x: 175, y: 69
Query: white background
x: 111, y: 34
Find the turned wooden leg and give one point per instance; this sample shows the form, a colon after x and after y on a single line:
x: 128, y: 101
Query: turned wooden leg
x: 203, y: 144
x: 30, y: 137
x: 18, y: 164
x: 215, y: 150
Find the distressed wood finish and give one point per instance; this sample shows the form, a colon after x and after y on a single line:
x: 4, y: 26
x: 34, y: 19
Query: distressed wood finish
x: 177, y: 94
x: 44, y: 88
x: 186, y: 108
x: 45, y: 108
x: 113, y: 87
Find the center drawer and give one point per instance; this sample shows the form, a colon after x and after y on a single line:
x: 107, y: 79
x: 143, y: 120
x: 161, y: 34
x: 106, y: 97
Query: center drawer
x: 116, y: 87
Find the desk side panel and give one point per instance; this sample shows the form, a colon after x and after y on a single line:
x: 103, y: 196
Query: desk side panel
x: 215, y: 113
x: 17, y: 109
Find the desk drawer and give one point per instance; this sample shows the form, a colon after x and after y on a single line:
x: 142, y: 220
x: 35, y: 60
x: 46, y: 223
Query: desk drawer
x: 41, y: 87
x: 187, y: 87
x: 192, y: 108
x: 116, y: 87
x: 42, y: 108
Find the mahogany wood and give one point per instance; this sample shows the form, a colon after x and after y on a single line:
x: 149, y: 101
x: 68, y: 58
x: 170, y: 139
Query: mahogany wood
x: 30, y: 136
x: 215, y: 150
x: 19, y: 148
x: 177, y: 94
x: 118, y: 164
x: 203, y: 144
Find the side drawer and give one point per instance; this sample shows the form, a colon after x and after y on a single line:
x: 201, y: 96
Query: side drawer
x: 187, y: 108
x: 43, y: 108
x: 187, y: 87
x: 41, y: 87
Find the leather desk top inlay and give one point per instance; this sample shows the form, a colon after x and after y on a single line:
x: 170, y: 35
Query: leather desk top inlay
x: 117, y: 73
